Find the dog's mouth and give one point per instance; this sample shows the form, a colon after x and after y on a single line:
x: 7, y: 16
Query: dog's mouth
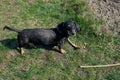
x: 71, y: 33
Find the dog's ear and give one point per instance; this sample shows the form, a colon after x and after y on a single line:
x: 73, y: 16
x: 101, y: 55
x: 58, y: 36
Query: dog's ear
x: 77, y: 27
x: 61, y: 25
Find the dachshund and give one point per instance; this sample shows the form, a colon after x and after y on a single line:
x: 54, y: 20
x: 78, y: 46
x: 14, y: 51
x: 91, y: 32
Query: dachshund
x: 47, y: 37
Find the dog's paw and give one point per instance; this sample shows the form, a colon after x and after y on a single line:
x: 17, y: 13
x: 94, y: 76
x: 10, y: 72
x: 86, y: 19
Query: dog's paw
x: 22, y: 51
x: 62, y: 51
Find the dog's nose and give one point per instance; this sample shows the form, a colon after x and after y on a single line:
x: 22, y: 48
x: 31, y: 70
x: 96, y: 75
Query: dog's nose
x: 73, y: 32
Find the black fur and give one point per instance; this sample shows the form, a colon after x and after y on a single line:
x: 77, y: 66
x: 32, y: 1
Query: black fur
x: 48, y: 37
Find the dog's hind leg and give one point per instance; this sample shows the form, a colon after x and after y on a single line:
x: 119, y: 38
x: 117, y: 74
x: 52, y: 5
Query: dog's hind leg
x: 21, y: 43
x: 22, y: 50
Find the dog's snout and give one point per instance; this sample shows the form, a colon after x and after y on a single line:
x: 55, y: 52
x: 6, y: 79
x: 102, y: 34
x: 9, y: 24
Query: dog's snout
x: 73, y: 32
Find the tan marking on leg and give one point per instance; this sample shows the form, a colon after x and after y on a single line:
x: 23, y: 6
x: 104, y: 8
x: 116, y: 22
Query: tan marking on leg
x: 62, y: 51
x: 22, y: 50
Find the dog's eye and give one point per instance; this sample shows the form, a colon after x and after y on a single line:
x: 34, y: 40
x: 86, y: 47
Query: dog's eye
x: 68, y: 28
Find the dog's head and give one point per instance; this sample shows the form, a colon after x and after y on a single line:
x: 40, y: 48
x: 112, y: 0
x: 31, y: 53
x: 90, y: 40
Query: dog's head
x: 69, y: 27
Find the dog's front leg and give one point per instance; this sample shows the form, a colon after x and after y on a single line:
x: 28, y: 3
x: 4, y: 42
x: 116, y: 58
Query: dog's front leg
x: 61, y: 45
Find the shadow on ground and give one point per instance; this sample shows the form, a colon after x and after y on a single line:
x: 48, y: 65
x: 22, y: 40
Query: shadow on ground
x: 13, y: 44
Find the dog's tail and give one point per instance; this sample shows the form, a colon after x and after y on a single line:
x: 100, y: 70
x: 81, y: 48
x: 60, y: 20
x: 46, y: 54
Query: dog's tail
x: 11, y: 29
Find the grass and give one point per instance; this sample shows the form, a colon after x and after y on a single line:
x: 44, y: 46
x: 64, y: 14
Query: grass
x: 96, y: 47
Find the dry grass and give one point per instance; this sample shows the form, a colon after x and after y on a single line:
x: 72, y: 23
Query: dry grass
x: 95, y: 47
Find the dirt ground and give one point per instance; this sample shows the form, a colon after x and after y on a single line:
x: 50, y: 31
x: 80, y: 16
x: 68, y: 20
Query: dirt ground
x: 109, y: 11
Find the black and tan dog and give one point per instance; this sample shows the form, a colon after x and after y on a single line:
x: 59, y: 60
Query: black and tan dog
x: 47, y: 37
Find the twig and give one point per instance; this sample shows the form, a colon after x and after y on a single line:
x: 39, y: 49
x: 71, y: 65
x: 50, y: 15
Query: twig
x: 108, y: 65
x: 75, y: 46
